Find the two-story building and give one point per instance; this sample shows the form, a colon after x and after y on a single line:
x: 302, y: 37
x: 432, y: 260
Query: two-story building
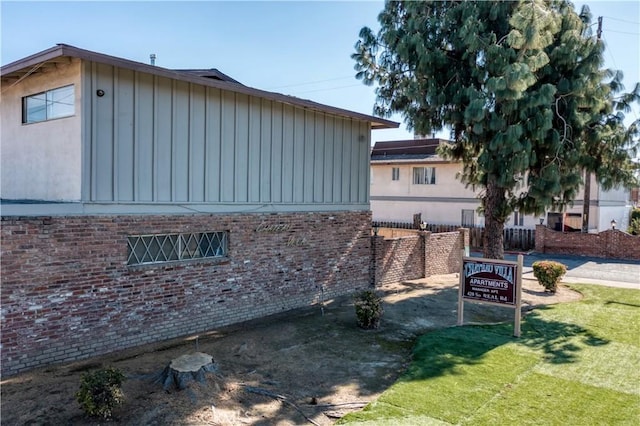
x: 141, y: 203
x: 409, y: 177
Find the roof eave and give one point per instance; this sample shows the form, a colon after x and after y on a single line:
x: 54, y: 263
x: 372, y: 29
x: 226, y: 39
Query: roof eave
x: 413, y: 161
x: 32, y: 60
x: 71, y: 51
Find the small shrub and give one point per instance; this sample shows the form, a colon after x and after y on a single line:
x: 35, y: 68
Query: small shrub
x: 549, y: 273
x: 634, y: 222
x: 368, y: 309
x: 100, y: 392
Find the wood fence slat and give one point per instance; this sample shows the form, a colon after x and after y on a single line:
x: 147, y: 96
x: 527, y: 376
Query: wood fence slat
x: 514, y: 238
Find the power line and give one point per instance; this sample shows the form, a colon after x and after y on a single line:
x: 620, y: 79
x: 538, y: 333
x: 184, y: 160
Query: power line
x: 606, y: 45
x: 623, y: 32
x: 329, y: 88
x: 613, y: 60
x: 310, y: 82
x: 622, y: 20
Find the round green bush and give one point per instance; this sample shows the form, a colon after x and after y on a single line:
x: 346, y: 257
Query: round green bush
x: 100, y: 392
x: 368, y: 309
x: 549, y: 273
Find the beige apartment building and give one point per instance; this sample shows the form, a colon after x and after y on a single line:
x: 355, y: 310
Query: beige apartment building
x: 409, y: 177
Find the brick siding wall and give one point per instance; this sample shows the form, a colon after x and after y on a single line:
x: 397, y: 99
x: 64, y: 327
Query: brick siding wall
x: 611, y: 243
x: 443, y: 252
x: 68, y: 294
x: 415, y: 254
x: 398, y: 259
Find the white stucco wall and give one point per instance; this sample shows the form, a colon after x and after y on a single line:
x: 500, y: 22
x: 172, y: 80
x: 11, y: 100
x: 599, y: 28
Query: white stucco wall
x: 440, y: 203
x: 621, y: 194
x: 612, y: 204
x: 619, y: 213
x: 441, y: 213
x: 446, y: 183
x: 41, y: 161
x: 443, y: 202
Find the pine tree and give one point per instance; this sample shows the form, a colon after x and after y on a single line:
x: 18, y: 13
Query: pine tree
x: 521, y: 87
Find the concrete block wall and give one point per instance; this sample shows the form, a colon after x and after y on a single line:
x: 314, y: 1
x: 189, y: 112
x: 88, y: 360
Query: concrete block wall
x: 612, y: 243
x: 68, y: 294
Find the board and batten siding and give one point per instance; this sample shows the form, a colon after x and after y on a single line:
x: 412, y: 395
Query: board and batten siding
x: 152, y: 139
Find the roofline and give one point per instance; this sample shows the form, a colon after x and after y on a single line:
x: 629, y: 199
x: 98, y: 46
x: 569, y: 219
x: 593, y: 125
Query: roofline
x: 218, y: 74
x: 65, y: 50
x: 434, y: 160
x: 415, y: 140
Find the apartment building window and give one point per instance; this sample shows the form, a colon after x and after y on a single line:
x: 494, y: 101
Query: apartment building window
x: 43, y: 106
x: 424, y: 175
x: 518, y: 219
x: 468, y: 218
x: 395, y: 173
x: 161, y: 248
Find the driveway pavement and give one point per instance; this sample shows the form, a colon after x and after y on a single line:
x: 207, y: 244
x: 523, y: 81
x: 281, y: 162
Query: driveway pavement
x: 589, y: 270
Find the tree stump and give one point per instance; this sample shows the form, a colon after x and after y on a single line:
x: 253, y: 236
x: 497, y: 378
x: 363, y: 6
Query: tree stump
x: 187, y: 368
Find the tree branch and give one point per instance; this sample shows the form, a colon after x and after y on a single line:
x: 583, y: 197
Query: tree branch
x: 264, y: 392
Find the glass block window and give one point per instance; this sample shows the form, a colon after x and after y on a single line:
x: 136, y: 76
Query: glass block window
x: 160, y: 248
x: 55, y: 103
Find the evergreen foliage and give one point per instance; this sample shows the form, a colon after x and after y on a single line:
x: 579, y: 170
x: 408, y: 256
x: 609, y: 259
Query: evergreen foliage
x: 369, y: 309
x: 634, y: 222
x: 521, y: 87
x: 100, y: 392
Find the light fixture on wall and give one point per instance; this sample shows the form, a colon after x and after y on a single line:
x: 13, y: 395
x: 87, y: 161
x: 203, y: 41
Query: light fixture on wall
x: 613, y: 224
x: 375, y: 231
x: 100, y: 93
x: 423, y: 225
x: 542, y: 221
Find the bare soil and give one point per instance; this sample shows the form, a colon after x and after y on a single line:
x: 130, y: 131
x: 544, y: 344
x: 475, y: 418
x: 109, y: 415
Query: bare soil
x: 312, y: 365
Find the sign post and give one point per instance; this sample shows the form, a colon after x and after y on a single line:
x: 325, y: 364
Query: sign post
x: 491, y: 281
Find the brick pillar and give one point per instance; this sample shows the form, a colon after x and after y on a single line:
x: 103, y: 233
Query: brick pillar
x: 426, y: 240
x: 541, y: 231
x: 610, y: 242
x: 465, y: 236
x: 377, y: 256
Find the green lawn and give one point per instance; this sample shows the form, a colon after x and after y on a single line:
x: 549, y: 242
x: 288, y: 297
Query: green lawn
x: 575, y: 364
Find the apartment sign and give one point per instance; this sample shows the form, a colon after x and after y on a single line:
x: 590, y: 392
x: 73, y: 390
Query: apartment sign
x: 491, y: 281
x: 486, y: 281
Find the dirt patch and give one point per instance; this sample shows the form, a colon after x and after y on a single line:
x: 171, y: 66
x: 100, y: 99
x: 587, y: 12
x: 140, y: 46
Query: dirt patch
x: 309, y: 365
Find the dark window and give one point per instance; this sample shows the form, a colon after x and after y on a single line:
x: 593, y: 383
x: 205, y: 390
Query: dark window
x: 395, y: 173
x: 518, y: 219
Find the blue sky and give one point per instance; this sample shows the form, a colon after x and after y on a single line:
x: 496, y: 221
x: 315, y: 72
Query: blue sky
x: 297, y: 48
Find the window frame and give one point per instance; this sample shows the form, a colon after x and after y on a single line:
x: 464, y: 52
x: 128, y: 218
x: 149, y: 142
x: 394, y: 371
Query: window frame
x: 468, y: 214
x: 395, y: 173
x: 518, y: 218
x: 162, y: 249
x: 49, y: 102
x: 423, y: 177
